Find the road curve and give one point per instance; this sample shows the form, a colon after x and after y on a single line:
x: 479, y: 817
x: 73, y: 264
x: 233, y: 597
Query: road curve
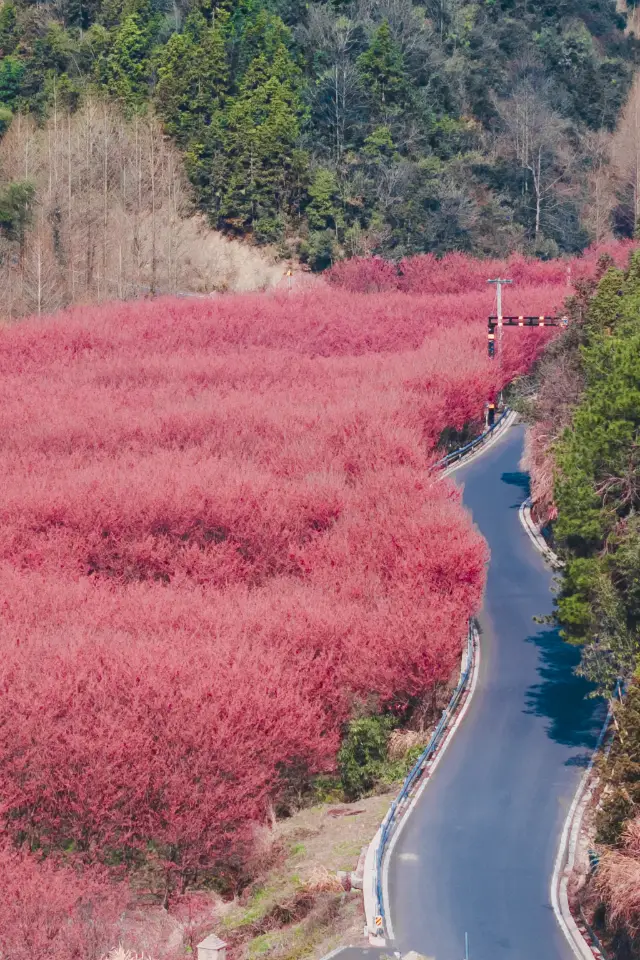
x: 477, y: 852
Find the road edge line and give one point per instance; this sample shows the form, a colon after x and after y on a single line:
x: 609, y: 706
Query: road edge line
x: 533, y: 532
x: 431, y: 769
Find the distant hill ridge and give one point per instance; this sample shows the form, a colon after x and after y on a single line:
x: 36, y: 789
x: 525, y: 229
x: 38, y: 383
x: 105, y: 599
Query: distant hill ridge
x: 376, y: 126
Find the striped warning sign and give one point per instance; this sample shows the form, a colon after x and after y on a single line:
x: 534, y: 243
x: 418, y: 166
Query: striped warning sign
x: 378, y: 921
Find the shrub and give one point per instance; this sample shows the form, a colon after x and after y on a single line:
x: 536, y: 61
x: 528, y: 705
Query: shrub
x: 459, y: 273
x: 50, y: 911
x: 363, y: 754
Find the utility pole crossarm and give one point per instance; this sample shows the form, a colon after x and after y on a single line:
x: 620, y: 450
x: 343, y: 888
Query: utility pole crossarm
x: 541, y: 321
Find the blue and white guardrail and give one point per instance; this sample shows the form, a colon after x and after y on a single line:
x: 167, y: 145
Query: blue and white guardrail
x: 474, y: 444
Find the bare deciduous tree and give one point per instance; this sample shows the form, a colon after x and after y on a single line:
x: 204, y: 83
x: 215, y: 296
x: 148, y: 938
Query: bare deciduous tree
x: 539, y: 139
x: 43, y: 288
x: 625, y: 151
x: 114, y: 217
x: 599, y: 196
x: 339, y: 94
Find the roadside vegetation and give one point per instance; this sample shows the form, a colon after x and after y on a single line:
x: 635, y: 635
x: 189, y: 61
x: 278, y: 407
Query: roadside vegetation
x: 584, y: 453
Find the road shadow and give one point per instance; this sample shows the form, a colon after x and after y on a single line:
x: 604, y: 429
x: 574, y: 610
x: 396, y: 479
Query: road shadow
x: 574, y: 718
x: 517, y: 479
x: 521, y: 481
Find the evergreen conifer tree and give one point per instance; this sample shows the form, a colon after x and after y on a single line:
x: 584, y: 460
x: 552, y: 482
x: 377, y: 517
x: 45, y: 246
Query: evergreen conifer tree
x: 193, y: 76
x: 382, y: 69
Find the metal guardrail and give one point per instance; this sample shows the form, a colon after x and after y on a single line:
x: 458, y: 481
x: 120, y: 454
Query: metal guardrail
x: 417, y: 770
x: 463, y: 451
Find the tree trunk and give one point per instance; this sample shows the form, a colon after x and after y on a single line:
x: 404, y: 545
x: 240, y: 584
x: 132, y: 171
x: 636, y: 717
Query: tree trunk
x: 538, y: 189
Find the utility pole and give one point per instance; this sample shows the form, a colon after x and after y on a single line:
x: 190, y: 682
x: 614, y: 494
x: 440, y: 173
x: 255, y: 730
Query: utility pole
x: 499, y: 282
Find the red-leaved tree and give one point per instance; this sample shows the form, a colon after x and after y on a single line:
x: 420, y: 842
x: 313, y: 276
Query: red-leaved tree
x: 52, y: 912
x: 219, y: 537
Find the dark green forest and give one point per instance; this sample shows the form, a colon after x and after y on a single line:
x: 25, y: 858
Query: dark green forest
x: 338, y: 128
x: 597, y: 490
x: 598, y: 531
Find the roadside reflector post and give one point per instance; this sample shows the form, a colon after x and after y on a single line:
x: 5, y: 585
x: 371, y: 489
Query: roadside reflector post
x: 491, y: 414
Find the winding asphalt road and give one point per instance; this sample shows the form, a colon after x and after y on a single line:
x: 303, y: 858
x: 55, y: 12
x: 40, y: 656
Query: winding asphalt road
x: 477, y: 852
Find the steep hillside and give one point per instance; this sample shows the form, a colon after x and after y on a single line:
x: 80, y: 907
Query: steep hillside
x: 351, y: 127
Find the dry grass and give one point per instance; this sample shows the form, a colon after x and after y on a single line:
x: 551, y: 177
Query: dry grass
x: 618, y: 880
x: 401, y: 741
x: 210, y: 262
x: 300, y: 909
x: 321, y: 880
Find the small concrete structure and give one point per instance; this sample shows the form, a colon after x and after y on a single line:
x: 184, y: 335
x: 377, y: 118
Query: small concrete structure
x: 212, y: 948
x: 358, y: 873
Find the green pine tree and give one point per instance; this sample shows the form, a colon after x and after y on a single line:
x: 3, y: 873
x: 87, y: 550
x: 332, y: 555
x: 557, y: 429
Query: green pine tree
x: 16, y: 210
x: 193, y: 76
x: 124, y: 71
x: 258, y: 32
x: 8, y: 29
x: 597, y: 490
x: 12, y: 71
x: 382, y: 69
x: 323, y: 211
x: 254, y: 166
x: 379, y: 144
